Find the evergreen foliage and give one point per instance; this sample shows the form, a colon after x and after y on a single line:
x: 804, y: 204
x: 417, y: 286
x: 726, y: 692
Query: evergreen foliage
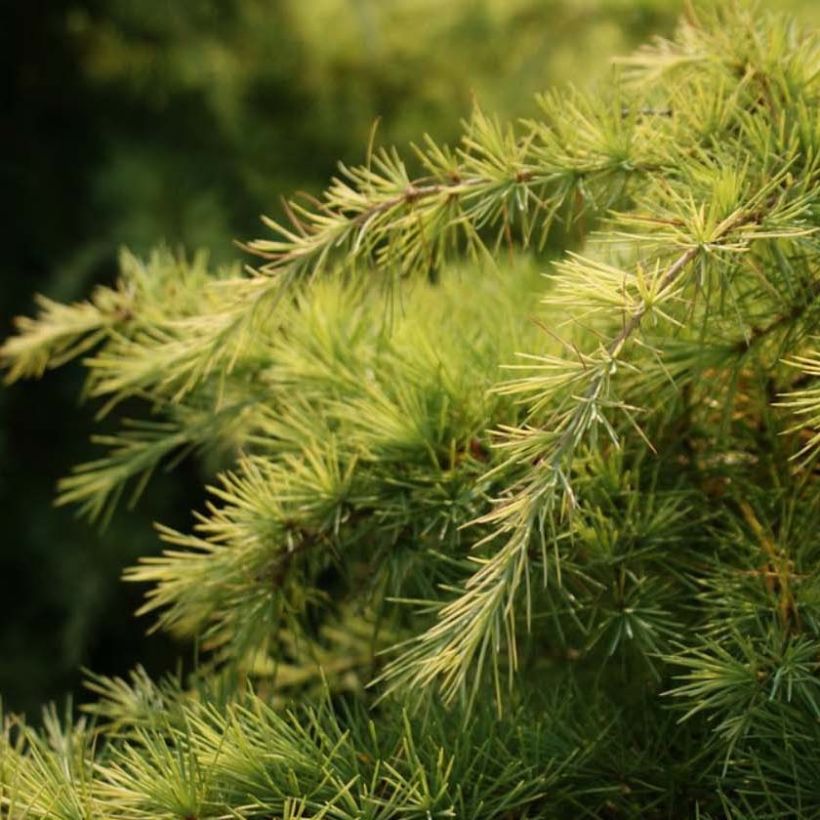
x: 135, y: 123
x: 481, y: 543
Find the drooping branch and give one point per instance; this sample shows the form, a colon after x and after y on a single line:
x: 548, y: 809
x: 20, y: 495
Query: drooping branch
x: 472, y: 628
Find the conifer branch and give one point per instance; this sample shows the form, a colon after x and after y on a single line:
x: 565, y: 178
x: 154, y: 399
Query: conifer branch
x: 380, y: 486
x: 474, y: 628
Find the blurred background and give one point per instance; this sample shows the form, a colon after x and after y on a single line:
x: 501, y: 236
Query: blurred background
x: 130, y: 123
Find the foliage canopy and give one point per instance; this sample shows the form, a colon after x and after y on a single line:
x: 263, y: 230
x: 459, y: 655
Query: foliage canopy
x: 482, y: 543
